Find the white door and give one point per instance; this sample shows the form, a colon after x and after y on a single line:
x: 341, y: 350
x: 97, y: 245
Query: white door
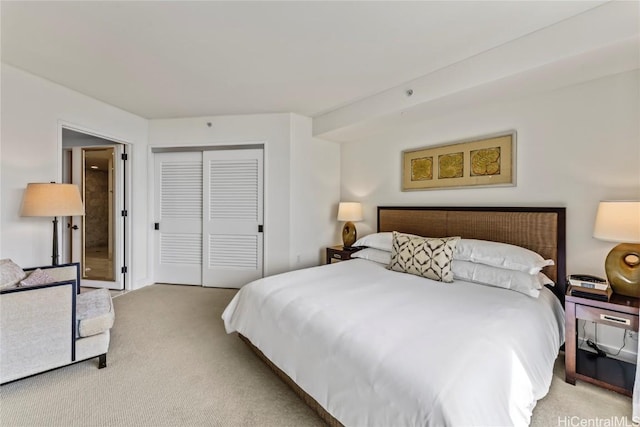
x: 232, y: 243
x: 209, y: 217
x: 178, y: 210
x: 97, y: 240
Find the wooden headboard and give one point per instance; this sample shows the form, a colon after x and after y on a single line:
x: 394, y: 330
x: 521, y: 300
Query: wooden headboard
x: 541, y: 230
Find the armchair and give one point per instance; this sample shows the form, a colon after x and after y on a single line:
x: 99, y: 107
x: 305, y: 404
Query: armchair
x: 43, y: 327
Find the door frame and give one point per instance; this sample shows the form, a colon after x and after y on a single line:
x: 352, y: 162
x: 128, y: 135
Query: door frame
x: 126, y: 188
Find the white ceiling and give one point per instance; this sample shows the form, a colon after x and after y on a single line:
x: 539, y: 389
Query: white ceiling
x: 187, y: 59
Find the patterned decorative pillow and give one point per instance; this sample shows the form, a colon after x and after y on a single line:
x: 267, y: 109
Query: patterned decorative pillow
x: 37, y: 277
x: 10, y: 273
x: 422, y: 256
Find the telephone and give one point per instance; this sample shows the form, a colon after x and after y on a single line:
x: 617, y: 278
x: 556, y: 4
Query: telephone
x: 588, y: 281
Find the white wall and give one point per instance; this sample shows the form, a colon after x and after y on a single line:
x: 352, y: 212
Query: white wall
x: 32, y: 112
x: 576, y: 146
x: 315, y: 193
x: 285, y: 183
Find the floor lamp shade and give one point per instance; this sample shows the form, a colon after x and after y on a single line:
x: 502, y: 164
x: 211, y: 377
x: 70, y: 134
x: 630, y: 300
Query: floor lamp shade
x: 620, y: 222
x: 349, y: 212
x: 52, y: 200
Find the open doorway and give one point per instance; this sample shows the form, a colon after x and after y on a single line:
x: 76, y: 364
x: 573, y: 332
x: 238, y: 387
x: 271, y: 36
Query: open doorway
x: 97, y: 240
x: 99, y: 219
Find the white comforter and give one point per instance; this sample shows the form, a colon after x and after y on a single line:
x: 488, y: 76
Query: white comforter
x: 381, y: 348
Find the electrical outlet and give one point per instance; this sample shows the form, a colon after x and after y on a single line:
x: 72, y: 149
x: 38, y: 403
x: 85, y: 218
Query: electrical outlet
x: 632, y: 335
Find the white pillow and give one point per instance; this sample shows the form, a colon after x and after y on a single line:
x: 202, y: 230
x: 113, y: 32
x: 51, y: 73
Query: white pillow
x: 382, y: 241
x: 501, y: 255
x: 372, y: 254
x: 10, y: 273
x: 528, y: 284
x: 37, y: 277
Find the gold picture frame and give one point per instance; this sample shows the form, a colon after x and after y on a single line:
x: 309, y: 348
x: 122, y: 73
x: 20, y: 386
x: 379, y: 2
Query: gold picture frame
x: 479, y: 162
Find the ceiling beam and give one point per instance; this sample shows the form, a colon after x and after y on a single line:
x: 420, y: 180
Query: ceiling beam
x: 608, y: 32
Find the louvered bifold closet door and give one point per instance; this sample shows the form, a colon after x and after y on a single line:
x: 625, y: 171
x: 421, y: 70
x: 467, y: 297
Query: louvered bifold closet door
x: 178, y: 210
x: 233, y: 211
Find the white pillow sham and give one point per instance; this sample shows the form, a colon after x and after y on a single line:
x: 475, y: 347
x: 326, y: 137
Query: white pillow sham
x: 373, y: 254
x: 502, y: 255
x: 495, y: 254
x: 527, y: 284
x: 382, y: 241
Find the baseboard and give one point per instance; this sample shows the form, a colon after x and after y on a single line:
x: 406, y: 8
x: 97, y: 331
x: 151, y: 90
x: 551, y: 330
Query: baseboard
x: 142, y: 283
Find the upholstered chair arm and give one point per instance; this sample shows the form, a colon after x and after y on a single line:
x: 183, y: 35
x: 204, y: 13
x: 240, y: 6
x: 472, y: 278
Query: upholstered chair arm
x: 37, y: 326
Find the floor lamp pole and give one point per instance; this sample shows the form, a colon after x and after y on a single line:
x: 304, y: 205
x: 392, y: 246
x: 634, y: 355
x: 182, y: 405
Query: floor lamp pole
x: 54, y: 256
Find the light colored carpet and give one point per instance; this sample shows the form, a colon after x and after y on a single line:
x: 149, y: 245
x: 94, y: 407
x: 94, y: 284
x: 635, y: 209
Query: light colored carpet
x: 171, y: 364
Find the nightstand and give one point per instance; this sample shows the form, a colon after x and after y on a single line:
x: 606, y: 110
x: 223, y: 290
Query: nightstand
x: 339, y: 253
x: 612, y: 374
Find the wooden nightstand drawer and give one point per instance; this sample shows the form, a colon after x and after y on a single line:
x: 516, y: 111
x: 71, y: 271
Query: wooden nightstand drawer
x: 339, y: 253
x: 607, y: 317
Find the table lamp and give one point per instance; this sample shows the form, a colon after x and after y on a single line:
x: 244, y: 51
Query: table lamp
x: 349, y: 211
x: 52, y: 200
x: 620, y: 222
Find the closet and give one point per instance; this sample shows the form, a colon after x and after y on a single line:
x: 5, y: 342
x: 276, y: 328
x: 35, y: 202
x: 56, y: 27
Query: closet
x: 208, y: 210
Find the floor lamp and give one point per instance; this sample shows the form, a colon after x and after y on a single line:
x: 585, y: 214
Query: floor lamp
x: 52, y: 200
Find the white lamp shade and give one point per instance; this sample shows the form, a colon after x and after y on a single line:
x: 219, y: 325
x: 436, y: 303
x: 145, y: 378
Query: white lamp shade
x: 618, y: 222
x: 349, y: 211
x: 52, y: 200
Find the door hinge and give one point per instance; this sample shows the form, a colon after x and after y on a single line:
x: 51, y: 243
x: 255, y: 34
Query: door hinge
x: 260, y: 228
x: 124, y: 212
x: 124, y: 156
x: 123, y: 270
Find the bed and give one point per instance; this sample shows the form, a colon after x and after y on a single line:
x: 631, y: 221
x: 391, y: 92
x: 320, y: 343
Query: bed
x: 366, y: 346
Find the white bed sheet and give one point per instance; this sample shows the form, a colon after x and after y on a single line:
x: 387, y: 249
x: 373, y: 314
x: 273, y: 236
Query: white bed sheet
x: 381, y: 348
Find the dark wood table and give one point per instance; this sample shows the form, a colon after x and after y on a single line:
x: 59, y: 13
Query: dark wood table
x: 340, y: 253
x: 612, y: 374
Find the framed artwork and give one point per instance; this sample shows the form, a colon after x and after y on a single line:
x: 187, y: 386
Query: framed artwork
x: 479, y: 162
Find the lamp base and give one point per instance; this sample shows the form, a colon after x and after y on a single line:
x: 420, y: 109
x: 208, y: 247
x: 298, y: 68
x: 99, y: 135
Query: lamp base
x: 349, y: 234
x: 54, y: 249
x: 623, y: 269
